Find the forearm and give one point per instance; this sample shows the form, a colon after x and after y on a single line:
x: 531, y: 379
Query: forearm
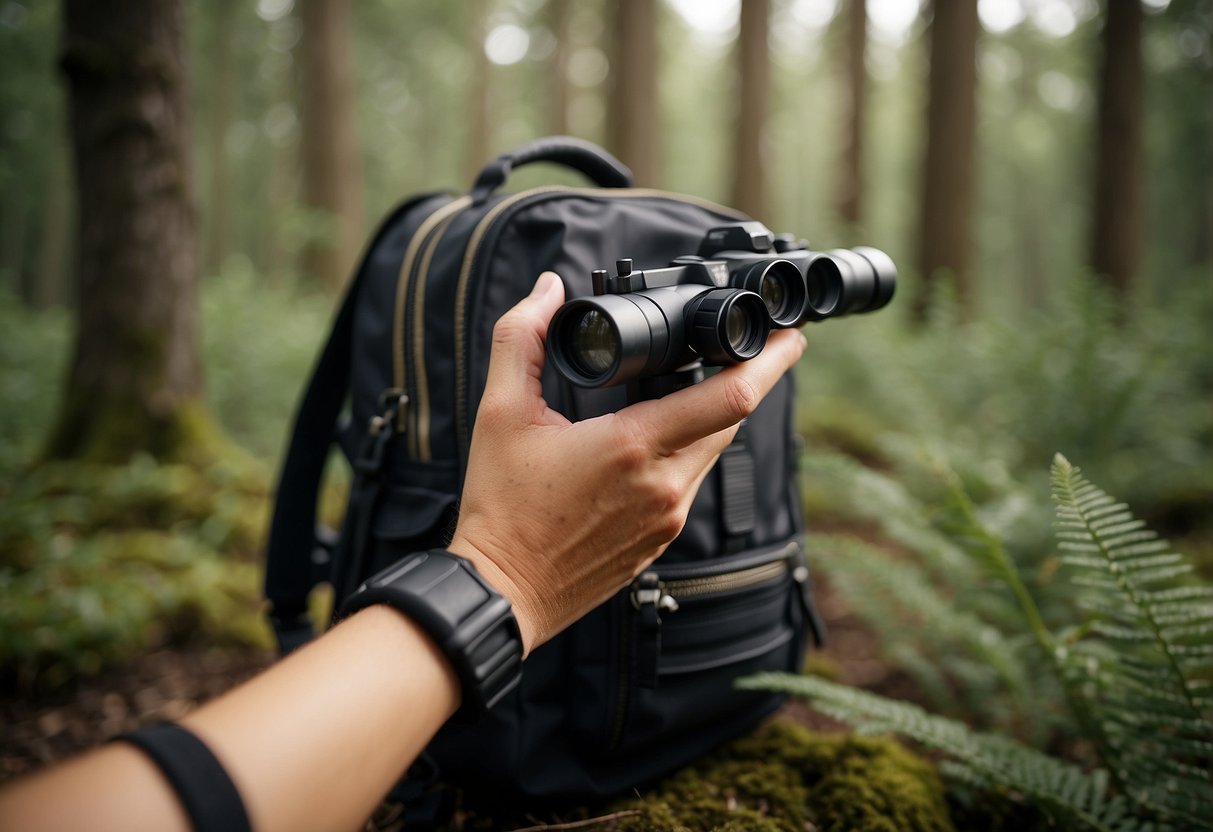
x: 313, y: 743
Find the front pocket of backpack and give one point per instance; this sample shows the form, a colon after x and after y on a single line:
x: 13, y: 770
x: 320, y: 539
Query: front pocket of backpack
x: 409, y: 518
x: 718, y: 620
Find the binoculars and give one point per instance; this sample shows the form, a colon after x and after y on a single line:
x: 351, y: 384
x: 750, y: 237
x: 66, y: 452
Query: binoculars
x: 712, y: 308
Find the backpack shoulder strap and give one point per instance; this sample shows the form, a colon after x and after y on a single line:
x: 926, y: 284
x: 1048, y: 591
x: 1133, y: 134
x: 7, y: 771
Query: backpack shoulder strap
x: 290, y: 570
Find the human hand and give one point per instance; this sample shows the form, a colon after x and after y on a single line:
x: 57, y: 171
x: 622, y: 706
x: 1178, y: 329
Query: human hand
x: 559, y: 515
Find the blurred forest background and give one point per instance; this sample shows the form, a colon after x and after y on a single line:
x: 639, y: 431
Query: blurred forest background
x: 1040, y: 170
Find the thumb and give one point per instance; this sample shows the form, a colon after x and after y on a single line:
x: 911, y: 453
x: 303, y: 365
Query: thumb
x: 516, y: 363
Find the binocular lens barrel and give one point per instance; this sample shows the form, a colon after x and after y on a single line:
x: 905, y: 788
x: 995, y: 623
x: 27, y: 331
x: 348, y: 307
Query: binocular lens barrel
x: 847, y: 281
x: 725, y: 326
x: 868, y: 278
x: 609, y: 339
x: 780, y: 285
x: 824, y: 284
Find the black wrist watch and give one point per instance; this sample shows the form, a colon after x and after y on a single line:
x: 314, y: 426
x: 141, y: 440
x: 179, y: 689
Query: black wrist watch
x: 470, y: 621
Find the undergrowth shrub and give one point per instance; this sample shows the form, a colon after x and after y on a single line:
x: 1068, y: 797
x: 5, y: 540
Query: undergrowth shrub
x: 33, y: 357
x: 259, y: 344
x: 100, y: 563
x: 1132, y: 670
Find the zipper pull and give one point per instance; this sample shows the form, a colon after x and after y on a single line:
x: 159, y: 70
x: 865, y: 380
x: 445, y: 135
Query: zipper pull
x: 800, y: 574
x: 649, y: 599
x: 380, y: 429
x: 394, y: 407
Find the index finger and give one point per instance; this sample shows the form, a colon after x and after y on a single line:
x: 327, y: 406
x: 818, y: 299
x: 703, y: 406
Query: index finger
x: 690, y: 414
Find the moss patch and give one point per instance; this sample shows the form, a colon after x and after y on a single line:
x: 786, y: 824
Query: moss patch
x: 117, y: 430
x: 99, y: 563
x: 786, y: 778
x: 781, y: 778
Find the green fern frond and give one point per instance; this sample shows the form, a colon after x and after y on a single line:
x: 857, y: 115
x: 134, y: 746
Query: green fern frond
x: 1151, y: 650
x: 878, y: 498
x: 1066, y: 792
x: 921, y: 628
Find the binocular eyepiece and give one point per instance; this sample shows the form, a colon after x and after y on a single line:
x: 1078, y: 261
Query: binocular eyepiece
x: 713, y: 308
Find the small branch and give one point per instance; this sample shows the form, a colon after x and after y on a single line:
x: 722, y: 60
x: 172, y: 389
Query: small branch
x: 581, y: 824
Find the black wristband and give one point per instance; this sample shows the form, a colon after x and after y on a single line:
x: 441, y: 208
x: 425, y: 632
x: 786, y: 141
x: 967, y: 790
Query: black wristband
x: 204, y: 788
x: 470, y: 621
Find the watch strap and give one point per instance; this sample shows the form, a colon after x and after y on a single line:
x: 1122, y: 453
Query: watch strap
x: 472, y: 624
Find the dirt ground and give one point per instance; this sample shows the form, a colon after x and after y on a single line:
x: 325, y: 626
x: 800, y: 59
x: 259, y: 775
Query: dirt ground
x: 162, y: 685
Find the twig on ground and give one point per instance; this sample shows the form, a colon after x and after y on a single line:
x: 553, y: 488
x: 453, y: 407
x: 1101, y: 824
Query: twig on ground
x: 581, y: 824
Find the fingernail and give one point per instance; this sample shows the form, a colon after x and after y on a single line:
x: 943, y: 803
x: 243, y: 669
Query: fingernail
x: 544, y: 284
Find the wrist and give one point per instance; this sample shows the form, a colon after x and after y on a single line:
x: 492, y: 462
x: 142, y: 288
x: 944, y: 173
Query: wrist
x: 508, y: 585
x: 467, y: 618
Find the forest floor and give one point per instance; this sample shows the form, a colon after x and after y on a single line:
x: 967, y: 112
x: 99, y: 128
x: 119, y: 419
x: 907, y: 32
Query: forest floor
x: 171, y: 681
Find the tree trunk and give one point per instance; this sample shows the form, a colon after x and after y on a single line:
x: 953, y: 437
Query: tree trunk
x: 51, y: 287
x: 560, y: 13
x: 332, y: 167
x: 480, y: 125
x: 136, y: 379
x: 223, y: 81
x: 1116, y: 238
x: 633, y: 121
x: 850, y: 183
x: 948, y: 171
x: 12, y: 246
x: 749, y: 191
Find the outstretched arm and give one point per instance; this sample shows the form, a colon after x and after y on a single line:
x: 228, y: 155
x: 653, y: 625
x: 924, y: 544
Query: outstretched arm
x: 555, y: 515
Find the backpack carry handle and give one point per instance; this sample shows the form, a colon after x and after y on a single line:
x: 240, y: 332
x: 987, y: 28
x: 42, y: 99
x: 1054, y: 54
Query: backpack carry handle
x: 584, y: 157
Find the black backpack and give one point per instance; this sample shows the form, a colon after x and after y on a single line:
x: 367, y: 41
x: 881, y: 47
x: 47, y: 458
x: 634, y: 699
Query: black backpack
x: 644, y: 683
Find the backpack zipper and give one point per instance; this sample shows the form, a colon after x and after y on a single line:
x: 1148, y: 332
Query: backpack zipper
x: 648, y: 590
x: 666, y: 595
x: 651, y: 596
x: 399, y: 391
x: 472, y: 255
x: 420, y: 434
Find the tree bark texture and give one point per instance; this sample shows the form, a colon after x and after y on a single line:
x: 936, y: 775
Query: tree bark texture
x: 1117, y: 235
x: 332, y: 166
x: 851, y: 176
x: 136, y: 379
x: 948, y: 171
x: 633, y: 120
x: 12, y: 246
x: 749, y: 192
x: 55, y: 245
x: 480, y: 128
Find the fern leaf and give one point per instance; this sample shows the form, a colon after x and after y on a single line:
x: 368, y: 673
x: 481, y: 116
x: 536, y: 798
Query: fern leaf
x: 1066, y: 792
x: 1155, y: 648
x: 922, y: 629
